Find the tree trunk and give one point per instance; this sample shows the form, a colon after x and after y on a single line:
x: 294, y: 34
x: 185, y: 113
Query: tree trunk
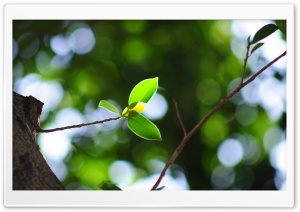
x: 30, y: 170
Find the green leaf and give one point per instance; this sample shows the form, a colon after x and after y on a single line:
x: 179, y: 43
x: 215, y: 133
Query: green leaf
x: 133, y: 109
x: 257, y: 46
x: 106, y: 185
x: 143, y: 91
x: 109, y: 106
x: 265, y: 31
x: 282, y: 25
x: 143, y: 128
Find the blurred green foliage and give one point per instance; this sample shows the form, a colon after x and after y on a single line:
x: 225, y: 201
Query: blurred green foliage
x: 195, y: 65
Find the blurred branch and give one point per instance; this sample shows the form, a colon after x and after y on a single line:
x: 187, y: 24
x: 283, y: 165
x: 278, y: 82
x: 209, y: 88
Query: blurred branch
x: 179, y: 117
x: 76, y: 126
x: 187, y: 136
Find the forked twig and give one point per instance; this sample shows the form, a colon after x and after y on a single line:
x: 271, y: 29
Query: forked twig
x: 187, y: 136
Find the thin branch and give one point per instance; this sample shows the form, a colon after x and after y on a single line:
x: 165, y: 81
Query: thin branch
x: 246, y: 60
x: 203, y: 120
x: 179, y: 117
x: 76, y: 126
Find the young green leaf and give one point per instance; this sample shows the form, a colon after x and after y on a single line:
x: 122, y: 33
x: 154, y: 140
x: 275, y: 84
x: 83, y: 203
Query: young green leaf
x: 265, y: 31
x: 143, y: 91
x: 133, y: 109
x: 143, y: 128
x: 109, y: 106
x: 257, y: 46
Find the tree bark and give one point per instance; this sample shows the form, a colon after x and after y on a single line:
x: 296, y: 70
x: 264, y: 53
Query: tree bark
x: 30, y: 170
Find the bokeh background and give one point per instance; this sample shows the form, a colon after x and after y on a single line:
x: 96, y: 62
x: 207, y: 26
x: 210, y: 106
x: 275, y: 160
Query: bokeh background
x: 70, y: 65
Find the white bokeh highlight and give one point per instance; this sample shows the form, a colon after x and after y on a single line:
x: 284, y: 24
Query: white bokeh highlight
x: 82, y: 40
x: 121, y: 172
x: 230, y: 152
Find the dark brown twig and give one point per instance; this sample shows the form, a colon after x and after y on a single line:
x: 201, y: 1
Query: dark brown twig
x: 77, y: 126
x: 203, y: 120
x: 179, y: 117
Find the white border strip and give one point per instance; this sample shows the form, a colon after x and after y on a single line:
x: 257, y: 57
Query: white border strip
x: 150, y: 198
x: 146, y: 11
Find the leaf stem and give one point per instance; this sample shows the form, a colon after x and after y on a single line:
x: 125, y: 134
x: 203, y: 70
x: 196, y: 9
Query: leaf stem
x: 203, y: 120
x: 76, y: 126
